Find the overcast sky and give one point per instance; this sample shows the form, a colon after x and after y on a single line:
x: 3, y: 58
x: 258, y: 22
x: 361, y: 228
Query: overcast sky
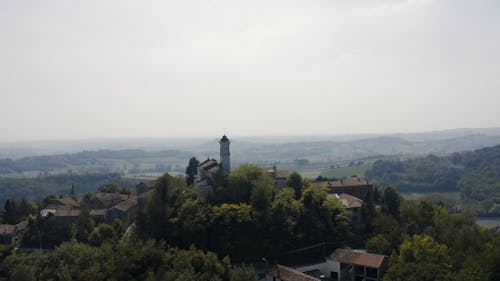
x: 100, y: 69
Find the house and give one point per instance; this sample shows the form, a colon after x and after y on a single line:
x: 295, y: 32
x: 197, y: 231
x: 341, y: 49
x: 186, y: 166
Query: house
x: 353, y: 185
x: 206, y: 173
x: 352, y: 265
x: 352, y: 204
x: 125, y: 211
x: 279, y: 176
x: 99, y: 215
x: 10, y: 232
x: 7, y: 232
x: 108, y: 200
x: 66, y: 210
x: 208, y: 169
x: 343, y: 264
x: 143, y: 190
x: 66, y: 216
x: 282, y: 273
x: 144, y: 187
x: 357, y: 265
x: 67, y: 203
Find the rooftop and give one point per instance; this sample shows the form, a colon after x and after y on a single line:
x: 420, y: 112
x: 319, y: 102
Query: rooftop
x: 289, y: 274
x: 357, y: 258
x: 350, y: 181
x: 208, y: 164
x: 7, y: 229
x: 67, y: 201
x: 350, y: 201
x: 126, y: 205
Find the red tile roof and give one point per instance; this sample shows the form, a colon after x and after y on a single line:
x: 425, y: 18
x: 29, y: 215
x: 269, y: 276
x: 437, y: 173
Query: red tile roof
x: 350, y: 181
x: 352, y: 201
x: 7, y: 229
x: 347, y: 200
x: 357, y: 258
x: 126, y: 205
x: 207, y: 164
x: 68, y: 201
x: 289, y: 274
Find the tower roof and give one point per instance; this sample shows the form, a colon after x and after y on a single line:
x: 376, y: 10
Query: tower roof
x: 224, y: 139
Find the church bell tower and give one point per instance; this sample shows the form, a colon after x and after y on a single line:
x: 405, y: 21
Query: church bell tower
x: 224, y: 153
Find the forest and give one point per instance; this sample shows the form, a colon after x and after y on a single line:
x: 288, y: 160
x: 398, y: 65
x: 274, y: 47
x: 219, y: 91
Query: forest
x: 475, y: 174
x: 36, y: 189
x: 182, y: 235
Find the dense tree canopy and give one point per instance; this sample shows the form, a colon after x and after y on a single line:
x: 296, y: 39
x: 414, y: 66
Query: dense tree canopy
x: 181, y: 235
x: 476, y: 174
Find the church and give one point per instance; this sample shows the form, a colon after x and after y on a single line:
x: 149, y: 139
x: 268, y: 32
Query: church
x: 208, y: 169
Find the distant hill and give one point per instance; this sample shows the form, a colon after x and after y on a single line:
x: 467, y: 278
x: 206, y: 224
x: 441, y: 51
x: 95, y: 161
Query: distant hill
x: 476, y: 174
x: 318, y: 154
x: 37, y: 188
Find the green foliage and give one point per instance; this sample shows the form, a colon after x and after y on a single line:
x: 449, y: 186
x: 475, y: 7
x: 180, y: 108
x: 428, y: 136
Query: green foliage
x: 45, y: 232
x: 295, y: 181
x: 243, y: 273
x: 113, y: 188
x: 241, y: 182
x: 262, y: 195
x: 392, y: 200
x: 420, y: 259
x: 162, y: 206
x: 123, y: 260
x: 16, y: 211
x: 100, y: 234
x: 191, y: 170
x: 475, y: 174
x: 322, y: 218
x: 38, y: 188
x: 380, y: 244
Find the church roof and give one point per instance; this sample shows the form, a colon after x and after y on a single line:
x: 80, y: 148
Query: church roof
x: 208, y: 164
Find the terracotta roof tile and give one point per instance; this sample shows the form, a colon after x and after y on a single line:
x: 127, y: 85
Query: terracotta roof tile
x: 350, y: 181
x: 7, y: 229
x: 207, y: 164
x: 352, y: 201
x: 126, y: 205
x: 289, y: 274
x: 68, y: 201
x: 357, y: 258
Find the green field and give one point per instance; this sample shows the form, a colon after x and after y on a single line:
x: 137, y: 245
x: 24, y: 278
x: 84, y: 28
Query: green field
x: 341, y: 172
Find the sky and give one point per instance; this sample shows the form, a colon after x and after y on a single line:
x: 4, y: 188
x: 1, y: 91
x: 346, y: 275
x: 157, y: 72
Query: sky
x: 111, y: 69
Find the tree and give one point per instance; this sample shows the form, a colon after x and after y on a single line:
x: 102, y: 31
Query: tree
x: 72, y: 192
x: 285, y: 216
x: 49, y: 198
x: 420, y: 259
x: 159, y: 219
x: 109, y: 188
x: 11, y: 214
x: 243, y: 273
x: 262, y: 195
x: 322, y: 219
x: 241, y: 181
x: 100, y: 234
x: 392, y: 200
x: 192, y: 170
x: 295, y: 182
x: 379, y: 244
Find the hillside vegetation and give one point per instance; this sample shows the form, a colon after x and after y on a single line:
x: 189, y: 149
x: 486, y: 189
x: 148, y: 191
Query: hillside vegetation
x: 37, y: 188
x: 476, y: 174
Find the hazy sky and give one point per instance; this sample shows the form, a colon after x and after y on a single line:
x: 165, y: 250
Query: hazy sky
x: 100, y: 69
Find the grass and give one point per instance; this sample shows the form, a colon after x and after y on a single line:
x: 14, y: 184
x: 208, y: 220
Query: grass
x: 341, y: 172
